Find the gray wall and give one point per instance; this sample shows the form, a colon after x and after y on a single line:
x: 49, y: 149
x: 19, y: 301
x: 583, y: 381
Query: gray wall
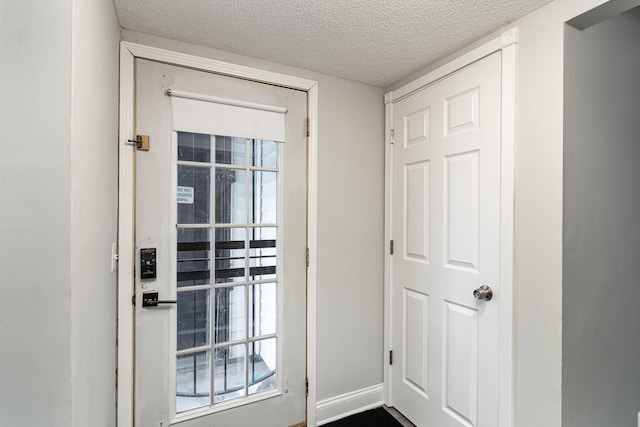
x: 94, y: 186
x: 601, y: 245
x: 350, y: 222
x: 35, y: 213
x: 58, y: 175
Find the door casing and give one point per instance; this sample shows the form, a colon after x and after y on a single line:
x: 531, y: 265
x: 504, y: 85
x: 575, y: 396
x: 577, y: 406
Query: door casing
x: 507, y: 45
x: 126, y: 207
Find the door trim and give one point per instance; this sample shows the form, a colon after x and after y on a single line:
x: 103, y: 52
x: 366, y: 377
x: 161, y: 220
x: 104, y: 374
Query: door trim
x: 506, y: 43
x: 126, y: 175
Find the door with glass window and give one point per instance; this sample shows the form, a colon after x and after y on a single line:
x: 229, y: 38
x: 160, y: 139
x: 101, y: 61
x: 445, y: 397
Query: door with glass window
x: 220, y: 208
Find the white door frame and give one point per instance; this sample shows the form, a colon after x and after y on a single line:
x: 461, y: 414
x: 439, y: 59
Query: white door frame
x: 126, y: 254
x: 506, y: 44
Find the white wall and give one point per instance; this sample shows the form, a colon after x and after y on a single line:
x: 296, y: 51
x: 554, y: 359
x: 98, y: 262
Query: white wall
x: 601, y: 344
x: 350, y: 237
x: 57, y: 217
x: 350, y: 222
x: 35, y: 333
x: 94, y: 180
x: 539, y: 198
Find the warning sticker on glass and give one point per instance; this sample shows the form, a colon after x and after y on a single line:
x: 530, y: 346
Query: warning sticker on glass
x: 185, y: 195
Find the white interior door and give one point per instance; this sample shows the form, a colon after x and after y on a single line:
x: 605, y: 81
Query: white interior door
x: 446, y: 224
x: 220, y: 236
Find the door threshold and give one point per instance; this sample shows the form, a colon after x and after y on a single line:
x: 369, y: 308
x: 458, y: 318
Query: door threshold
x: 398, y: 416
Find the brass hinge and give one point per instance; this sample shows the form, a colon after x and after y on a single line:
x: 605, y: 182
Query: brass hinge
x: 133, y: 300
x: 390, y: 357
x: 141, y: 142
x: 306, y: 387
x: 307, y: 257
x: 391, y: 247
x: 308, y: 127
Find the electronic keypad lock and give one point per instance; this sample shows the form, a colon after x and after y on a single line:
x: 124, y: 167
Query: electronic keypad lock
x: 147, y: 263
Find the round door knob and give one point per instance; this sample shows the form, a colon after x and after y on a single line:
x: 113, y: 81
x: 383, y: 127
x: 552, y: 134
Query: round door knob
x: 483, y: 293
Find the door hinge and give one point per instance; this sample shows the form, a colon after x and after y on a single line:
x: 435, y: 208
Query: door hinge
x: 133, y: 300
x: 307, y: 257
x: 141, y: 142
x: 306, y: 387
x: 390, y: 357
x: 393, y: 133
x: 391, y: 247
x: 308, y: 127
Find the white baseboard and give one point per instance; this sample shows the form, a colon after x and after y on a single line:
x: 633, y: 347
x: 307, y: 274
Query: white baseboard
x: 337, y: 407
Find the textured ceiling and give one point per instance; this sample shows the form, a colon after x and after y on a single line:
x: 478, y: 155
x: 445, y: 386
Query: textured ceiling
x: 371, y: 41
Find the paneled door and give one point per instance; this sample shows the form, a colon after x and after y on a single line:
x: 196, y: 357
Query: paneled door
x: 445, y: 269
x: 220, y: 233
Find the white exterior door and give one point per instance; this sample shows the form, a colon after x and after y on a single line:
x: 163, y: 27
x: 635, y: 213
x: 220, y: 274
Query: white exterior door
x: 446, y: 230
x: 220, y: 236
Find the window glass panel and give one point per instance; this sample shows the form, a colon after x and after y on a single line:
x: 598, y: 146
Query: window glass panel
x: 264, y: 187
x: 194, y: 147
x: 243, y: 251
x: 262, y: 365
x: 264, y: 153
x: 263, y: 307
x: 193, y: 319
x: 194, y: 203
x: 231, y: 255
x: 193, y: 381
x: 194, y: 257
x: 231, y: 150
x: 262, y: 253
x: 229, y: 373
x: 231, y: 196
x: 230, y: 314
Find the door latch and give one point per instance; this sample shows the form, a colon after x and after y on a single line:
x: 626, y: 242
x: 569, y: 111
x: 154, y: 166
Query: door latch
x: 141, y: 142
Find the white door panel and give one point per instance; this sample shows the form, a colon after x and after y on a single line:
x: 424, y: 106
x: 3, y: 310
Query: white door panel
x: 446, y: 210
x: 226, y: 215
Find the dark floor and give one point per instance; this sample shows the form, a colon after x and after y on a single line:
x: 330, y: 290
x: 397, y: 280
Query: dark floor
x: 378, y: 417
